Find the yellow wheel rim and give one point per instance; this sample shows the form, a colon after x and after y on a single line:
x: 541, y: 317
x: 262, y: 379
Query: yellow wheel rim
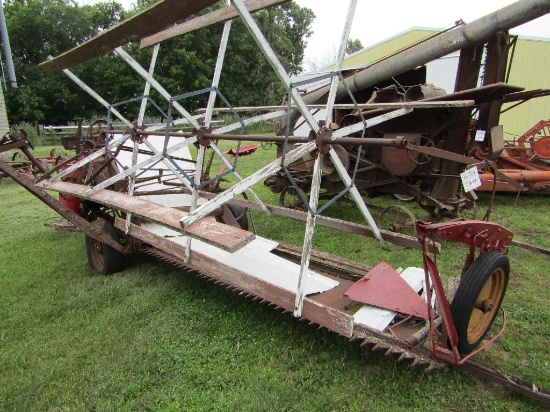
x: 487, y: 304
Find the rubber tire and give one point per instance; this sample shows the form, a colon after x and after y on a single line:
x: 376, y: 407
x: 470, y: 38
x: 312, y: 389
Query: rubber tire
x: 102, y: 258
x: 242, y: 212
x: 477, y: 275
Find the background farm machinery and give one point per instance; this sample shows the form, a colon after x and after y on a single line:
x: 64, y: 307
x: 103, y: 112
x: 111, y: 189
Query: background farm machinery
x: 442, y: 141
x: 15, y: 150
x: 525, y: 161
x: 145, y: 190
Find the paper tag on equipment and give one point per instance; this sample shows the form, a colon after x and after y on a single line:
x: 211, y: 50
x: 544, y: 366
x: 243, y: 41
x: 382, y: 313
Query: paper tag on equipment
x: 480, y: 136
x: 470, y: 179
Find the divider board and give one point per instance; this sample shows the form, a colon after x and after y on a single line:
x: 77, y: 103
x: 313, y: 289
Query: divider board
x: 378, y: 318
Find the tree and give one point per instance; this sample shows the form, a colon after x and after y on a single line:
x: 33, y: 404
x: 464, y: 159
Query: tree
x: 328, y: 58
x: 39, y: 28
x: 248, y: 77
x: 354, y: 45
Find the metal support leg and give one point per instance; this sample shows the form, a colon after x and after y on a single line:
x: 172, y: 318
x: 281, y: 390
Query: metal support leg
x: 317, y: 173
x: 141, y: 116
x: 195, y: 196
x: 308, y: 237
x: 246, y: 183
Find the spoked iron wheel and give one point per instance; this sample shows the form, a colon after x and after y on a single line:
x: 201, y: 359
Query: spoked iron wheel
x: 290, y: 198
x: 102, y: 258
x: 397, y: 219
x: 478, y: 299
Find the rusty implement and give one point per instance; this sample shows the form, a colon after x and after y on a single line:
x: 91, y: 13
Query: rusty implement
x: 150, y: 190
x: 525, y: 161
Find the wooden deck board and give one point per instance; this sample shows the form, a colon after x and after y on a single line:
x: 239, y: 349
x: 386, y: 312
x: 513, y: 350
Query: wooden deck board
x: 218, y: 234
x: 145, y: 23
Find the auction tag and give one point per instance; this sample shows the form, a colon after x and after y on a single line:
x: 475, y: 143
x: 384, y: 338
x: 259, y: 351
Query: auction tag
x: 480, y: 136
x: 470, y: 179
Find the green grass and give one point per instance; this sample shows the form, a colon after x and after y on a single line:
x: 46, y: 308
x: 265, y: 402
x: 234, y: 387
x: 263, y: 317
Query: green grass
x: 157, y: 338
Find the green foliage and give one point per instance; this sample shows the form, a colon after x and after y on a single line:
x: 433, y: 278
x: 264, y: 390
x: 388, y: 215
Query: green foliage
x: 39, y: 28
x: 354, y: 45
x: 29, y: 129
x: 286, y: 28
x: 157, y: 338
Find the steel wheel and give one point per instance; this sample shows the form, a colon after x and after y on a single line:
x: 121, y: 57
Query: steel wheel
x: 290, y: 198
x: 478, y: 299
x: 397, y: 219
x: 102, y: 258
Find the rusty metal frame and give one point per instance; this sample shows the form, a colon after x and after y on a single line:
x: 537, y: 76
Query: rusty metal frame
x: 326, y: 309
x: 221, y: 15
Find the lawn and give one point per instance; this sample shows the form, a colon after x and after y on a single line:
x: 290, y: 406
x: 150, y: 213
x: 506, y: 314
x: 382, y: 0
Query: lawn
x: 158, y: 338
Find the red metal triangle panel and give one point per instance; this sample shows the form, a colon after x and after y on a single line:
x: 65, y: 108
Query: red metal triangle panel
x: 383, y: 287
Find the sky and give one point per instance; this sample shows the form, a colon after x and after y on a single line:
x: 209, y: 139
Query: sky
x: 376, y: 21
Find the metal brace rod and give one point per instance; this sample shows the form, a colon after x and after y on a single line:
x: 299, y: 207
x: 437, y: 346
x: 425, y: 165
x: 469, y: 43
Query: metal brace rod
x: 308, y: 236
x: 397, y: 105
x: 147, y: 88
x: 339, y: 61
x: 156, y: 85
x: 317, y: 173
x: 217, y: 73
x: 246, y: 183
x: 268, y: 52
x: 207, y: 119
x: 357, y: 127
x: 249, y: 121
x: 355, y: 193
x: 195, y: 196
x: 141, y: 115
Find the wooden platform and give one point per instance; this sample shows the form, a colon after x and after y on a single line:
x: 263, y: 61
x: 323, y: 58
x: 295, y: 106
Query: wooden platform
x: 145, y: 23
x: 227, y: 237
x: 218, y: 234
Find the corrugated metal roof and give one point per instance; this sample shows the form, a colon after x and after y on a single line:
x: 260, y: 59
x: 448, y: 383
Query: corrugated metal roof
x: 383, y: 49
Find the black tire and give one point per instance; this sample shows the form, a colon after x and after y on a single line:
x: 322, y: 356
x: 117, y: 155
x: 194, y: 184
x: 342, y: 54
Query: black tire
x: 240, y: 214
x: 102, y: 258
x: 478, y: 299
